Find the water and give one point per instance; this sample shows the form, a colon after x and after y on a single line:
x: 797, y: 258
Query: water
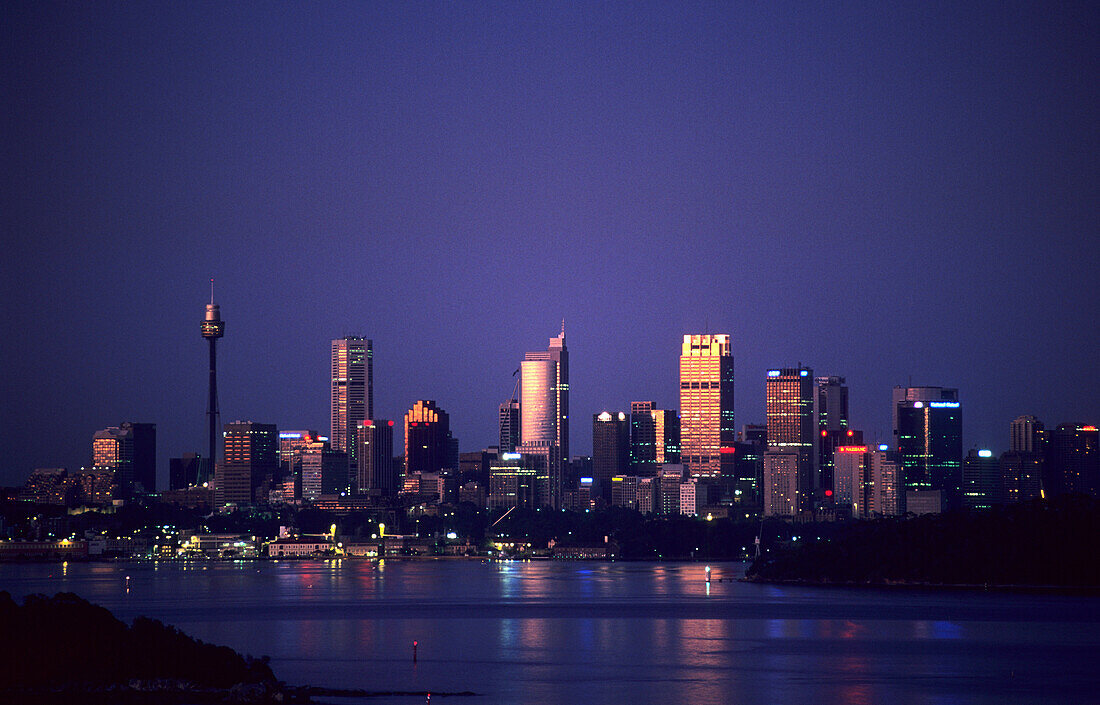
x: 594, y: 632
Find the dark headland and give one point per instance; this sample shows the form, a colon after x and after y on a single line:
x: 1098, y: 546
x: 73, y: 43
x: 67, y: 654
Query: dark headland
x: 63, y: 649
x: 1041, y: 545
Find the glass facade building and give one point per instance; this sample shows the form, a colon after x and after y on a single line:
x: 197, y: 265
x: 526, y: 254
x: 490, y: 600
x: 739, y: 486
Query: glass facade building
x: 791, y: 428
x: 928, y: 429
x: 352, y: 391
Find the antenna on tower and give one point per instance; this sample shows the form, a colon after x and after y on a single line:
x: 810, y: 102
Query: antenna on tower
x: 563, y: 327
x: 211, y: 289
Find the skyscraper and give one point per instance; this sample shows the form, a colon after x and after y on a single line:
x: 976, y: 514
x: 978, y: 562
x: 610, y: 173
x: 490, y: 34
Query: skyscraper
x: 428, y: 441
x: 250, y: 464
x: 213, y: 327
x: 509, y: 426
x: 707, y: 433
x: 982, y: 482
x: 1027, y: 435
x: 376, y: 473
x: 1073, y: 460
x: 544, y: 395
x: 352, y: 391
x: 654, y: 437
x: 928, y: 429
x: 145, y: 454
x: 113, y: 453
x: 791, y: 429
x: 831, y: 410
x: 866, y: 481
x: 610, y: 449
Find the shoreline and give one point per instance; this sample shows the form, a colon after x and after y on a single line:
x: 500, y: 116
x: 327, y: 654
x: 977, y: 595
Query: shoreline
x: 1077, y: 590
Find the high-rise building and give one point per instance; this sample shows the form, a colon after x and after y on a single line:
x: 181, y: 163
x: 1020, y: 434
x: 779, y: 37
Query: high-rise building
x: 866, y: 481
x: 1072, y: 460
x: 324, y: 471
x: 113, y: 451
x: 352, y: 390
x: 670, y: 476
x: 250, y: 463
x: 511, y: 482
x: 654, y: 437
x: 831, y: 411
x: 783, y: 471
x: 145, y: 454
x: 982, y: 482
x: 429, y: 446
x: 541, y: 459
x: 544, y: 395
x: 790, y: 401
x: 375, y: 471
x: 509, y: 426
x: 624, y: 491
x: 928, y: 429
x: 213, y: 327
x: 610, y: 449
x: 1022, y: 473
x: 1028, y: 435
x: 707, y: 431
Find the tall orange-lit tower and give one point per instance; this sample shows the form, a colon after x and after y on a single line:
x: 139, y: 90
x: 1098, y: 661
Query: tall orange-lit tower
x: 213, y: 327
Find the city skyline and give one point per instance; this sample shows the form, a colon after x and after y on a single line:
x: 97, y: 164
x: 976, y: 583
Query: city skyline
x: 899, y: 197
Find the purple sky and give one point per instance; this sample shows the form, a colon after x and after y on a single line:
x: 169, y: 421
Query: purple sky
x: 875, y: 192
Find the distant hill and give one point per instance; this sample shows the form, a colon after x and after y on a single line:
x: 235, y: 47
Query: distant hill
x: 1041, y: 543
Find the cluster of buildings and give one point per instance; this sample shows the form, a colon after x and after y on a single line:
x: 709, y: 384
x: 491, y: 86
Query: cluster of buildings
x: 805, y: 461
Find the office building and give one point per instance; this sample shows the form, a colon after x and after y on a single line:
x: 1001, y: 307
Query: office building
x: 831, y: 412
x: 982, y: 482
x: 610, y: 449
x: 648, y: 501
x: 1022, y: 474
x: 351, y: 397
x: 544, y: 395
x: 542, y: 460
x: 250, y: 463
x: 928, y: 430
x: 145, y: 455
x: 654, y: 437
x: 669, y: 477
x: 473, y: 466
x: 866, y: 481
x: 691, y: 497
x: 511, y: 483
x: 707, y: 431
x: 324, y: 471
x: 1028, y: 435
x: 792, y: 428
x: 1072, y: 460
x: 509, y: 426
x: 375, y: 472
x: 624, y: 491
x: 429, y: 446
x: 784, y: 482
x: 113, y: 451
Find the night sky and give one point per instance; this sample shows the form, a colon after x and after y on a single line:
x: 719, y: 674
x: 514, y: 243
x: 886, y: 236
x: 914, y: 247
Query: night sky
x: 879, y: 193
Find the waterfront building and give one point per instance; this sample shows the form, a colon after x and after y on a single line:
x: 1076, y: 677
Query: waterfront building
x: 375, y: 472
x: 928, y: 431
x: 250, y: 463
x: 707, y: 431
x: 791, y: 428
x: 351, y: 397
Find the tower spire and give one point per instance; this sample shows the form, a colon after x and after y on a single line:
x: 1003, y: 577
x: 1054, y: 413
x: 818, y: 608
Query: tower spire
x: 211, y: 289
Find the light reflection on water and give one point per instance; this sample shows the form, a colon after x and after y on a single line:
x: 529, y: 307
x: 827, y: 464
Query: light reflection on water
x: 606, y: 632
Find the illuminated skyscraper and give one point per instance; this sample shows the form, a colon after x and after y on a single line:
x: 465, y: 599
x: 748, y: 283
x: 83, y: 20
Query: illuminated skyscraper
x: 249, y: 465
x: 707, y: 433
x: 866, y: 481
x: 831, y: 409
x: 982, y: 481
x: 792, y: 429
x: 928, y: 429
x: 113, y: 452
x: 428, y: 441
x: 544, y: 395
x: 352, y: 391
